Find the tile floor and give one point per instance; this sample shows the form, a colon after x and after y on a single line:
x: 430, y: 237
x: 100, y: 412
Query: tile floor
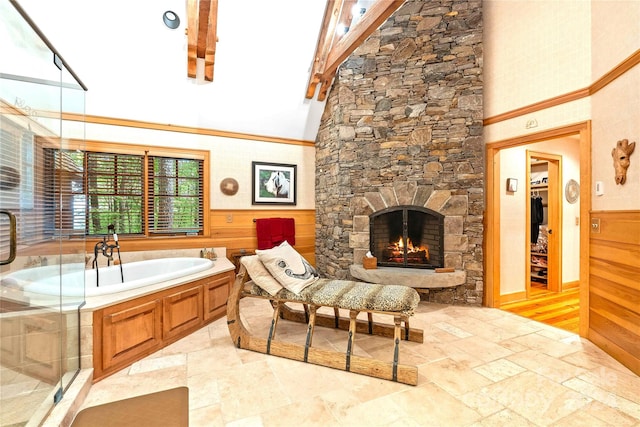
x: 477, y: 367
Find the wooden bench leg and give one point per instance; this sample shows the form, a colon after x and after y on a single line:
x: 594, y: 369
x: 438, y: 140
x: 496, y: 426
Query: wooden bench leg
x: 397, y: 320
x: 310, y: 329
x: 274, y: 323
x: 352, y: 335
x: 406, y: 328
x: 370, y: 321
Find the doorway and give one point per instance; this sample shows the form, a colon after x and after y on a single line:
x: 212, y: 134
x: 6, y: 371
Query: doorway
x: 508, y: 259
x: 544, y: 222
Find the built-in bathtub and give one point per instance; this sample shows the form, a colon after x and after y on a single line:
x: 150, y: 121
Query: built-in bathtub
x: 210, y: 279
x: 77, y: 282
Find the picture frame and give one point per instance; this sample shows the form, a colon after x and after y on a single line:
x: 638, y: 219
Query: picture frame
x: 512, y: 185
x: 273, y: 183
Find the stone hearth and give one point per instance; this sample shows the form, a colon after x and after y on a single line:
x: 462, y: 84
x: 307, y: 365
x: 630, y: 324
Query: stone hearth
x: 415, y: 278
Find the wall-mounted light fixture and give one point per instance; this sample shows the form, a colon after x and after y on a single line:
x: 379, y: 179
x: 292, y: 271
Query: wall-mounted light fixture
x: 171, y: 20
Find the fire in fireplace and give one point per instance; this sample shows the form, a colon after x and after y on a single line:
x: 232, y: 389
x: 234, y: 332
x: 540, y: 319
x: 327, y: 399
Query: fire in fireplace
x: 407, y: 236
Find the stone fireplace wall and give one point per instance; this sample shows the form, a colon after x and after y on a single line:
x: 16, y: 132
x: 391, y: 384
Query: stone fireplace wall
x: 403, y: 121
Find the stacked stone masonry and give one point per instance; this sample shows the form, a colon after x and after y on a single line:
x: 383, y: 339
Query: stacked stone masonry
x: 403, y: 126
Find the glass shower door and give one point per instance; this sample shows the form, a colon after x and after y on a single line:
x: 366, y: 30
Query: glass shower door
x: 39, y: 322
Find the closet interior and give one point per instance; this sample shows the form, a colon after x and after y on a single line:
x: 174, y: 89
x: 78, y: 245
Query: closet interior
x: 539, y: 221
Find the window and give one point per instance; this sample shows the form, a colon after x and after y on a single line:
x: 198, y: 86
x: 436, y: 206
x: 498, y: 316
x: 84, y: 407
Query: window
x: 175, y: 195
x: 95, y: 189
x: 114, y: 193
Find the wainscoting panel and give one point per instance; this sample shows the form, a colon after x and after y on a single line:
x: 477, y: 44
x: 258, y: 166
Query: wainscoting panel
x: 236, y: 229
x: 233, y: 229
x: 614, y: 285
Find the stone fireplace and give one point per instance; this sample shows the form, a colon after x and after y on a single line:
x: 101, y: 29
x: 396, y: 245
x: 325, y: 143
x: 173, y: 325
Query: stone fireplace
x: 402, y: 127
x: 448, y: 209
x: 408, y: 237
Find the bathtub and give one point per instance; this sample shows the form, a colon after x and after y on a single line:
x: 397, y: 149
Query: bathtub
x: 45, y: 280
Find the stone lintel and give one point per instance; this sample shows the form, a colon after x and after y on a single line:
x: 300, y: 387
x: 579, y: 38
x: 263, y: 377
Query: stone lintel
x: 412, y: 277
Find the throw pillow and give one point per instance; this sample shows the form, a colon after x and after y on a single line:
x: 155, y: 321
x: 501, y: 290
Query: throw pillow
x: 288, y: 267
x: 260, y: 275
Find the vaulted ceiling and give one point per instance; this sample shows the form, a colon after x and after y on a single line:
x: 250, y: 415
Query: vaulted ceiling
x: 345, y: 25
x: 255, y: 67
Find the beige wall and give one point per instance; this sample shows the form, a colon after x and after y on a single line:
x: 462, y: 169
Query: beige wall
x: 536, y: 50
x: 533, y: 51
x: 230, y: 157
x: 615, y: 108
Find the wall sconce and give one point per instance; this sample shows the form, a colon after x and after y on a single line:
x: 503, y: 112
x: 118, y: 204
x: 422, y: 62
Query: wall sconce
x: 171, y: 20
x: 512, y: 185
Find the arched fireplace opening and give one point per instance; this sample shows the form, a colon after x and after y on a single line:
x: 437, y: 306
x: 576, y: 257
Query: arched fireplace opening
x: 407, y: 236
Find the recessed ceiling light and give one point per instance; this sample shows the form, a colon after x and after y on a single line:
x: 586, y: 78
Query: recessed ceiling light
x: 171, y: 20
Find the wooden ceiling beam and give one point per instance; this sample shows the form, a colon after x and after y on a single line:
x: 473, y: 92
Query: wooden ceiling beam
x: 192, y: 38
x: 203, y: 26
x: 202, y: 36
x: 325, y: 68
x: 212, y: 39
x: 325, y: 39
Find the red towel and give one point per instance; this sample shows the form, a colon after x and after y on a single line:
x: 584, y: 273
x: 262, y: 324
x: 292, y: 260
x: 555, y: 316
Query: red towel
x: 273, y: 231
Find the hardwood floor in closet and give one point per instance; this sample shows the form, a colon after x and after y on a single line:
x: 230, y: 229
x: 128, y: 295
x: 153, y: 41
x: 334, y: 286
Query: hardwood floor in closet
x: 557, y: 309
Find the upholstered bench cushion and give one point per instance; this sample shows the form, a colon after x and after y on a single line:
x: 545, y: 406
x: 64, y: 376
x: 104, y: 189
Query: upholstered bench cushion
x: 350, y: 295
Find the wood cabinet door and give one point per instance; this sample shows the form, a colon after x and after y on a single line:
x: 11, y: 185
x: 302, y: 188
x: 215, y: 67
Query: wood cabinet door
x: 216, y: 292
x: 131, y: 332
x: 10, y: 354
x: 182, y: 311
x: 41, y: 351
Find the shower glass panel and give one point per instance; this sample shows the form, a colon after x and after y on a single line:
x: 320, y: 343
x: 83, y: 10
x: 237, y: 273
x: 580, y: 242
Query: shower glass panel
x: 42, y: 254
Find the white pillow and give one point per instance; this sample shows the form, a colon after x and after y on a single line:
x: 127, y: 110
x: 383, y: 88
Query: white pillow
x: 288, y: 267
x: 260, y: 275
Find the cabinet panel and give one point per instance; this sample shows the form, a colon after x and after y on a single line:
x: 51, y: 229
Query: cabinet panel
x: 41, y: 355
x: 182, y: 311
x: 216, y: 292
x: 131, y: 332
x: 31, y: 344
x: 10, y: 342
x: 128, y: 331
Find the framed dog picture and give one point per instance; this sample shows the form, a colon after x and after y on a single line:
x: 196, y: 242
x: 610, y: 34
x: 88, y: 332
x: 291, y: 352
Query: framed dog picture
x: 273, y: 183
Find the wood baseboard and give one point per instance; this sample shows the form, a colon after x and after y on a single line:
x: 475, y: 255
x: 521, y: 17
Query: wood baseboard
x: 571, y: 285
x: 517, y: 296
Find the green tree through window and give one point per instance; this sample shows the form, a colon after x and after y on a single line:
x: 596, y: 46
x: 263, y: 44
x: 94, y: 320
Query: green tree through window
x: 99, y: 189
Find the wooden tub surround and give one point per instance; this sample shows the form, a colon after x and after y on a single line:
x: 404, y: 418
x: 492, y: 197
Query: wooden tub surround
x: 356, y: 297
x: 129, y: 328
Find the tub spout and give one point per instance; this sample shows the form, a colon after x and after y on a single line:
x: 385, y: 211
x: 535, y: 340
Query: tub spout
x: 107, y: 250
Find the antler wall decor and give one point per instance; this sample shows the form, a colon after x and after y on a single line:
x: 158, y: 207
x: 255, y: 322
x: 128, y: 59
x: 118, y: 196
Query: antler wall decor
x: 621, y: 159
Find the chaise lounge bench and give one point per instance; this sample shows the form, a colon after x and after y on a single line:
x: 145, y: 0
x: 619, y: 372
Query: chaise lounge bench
x: 399, y: 302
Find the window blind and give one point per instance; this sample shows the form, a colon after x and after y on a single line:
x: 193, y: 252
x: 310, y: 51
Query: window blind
x: 175, y: 204
x: 115, y: 192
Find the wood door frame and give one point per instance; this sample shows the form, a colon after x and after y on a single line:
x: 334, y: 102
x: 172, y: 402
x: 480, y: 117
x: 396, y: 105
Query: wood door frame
x: 492, y: 213
x: 554, y: 221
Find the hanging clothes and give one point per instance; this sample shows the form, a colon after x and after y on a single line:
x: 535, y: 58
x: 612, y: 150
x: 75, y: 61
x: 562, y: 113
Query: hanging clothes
x: 537, y: 216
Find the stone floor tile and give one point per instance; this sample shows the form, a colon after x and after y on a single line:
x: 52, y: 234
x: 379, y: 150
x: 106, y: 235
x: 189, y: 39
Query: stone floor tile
x: 537, y: 398
x: 498, y: 370
x: 430, y: 405
x: 477, y: 366
x: 306, y: 412
x: 457, y: 379
x: 504, y: 418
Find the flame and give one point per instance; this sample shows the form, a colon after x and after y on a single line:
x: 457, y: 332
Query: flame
x: 399, y: 245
